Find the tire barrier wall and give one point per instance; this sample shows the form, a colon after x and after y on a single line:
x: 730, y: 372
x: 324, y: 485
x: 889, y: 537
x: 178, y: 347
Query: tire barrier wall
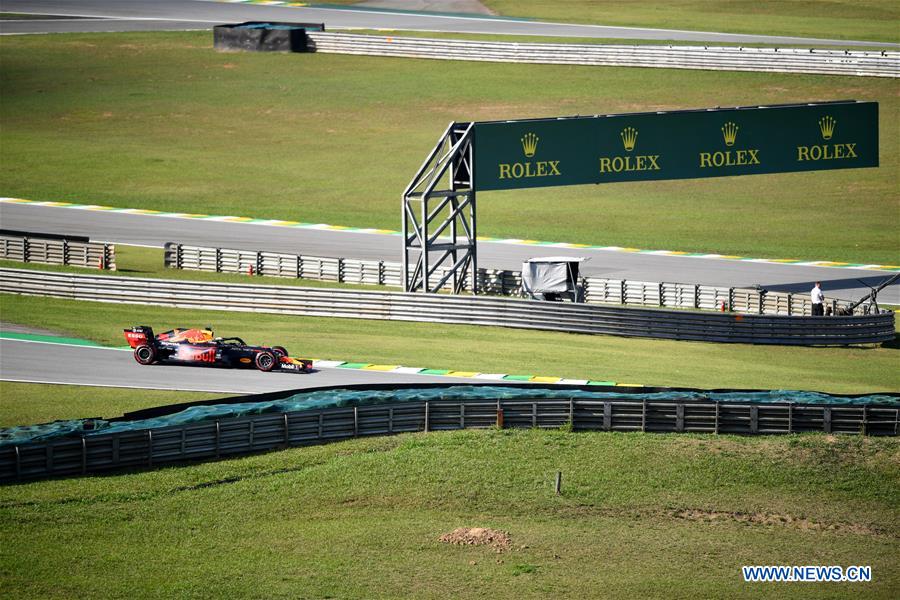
x: 777, y: 60
x: 258, y: 433
x: 77, y: 252
x: 597, y: 290
x: 468, y: 310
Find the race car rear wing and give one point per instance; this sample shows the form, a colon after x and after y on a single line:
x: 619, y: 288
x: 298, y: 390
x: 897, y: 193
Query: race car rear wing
x: 140, y: 334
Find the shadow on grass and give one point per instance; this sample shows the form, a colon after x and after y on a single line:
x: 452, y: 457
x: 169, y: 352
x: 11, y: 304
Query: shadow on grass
x: 893, y: 344
x: 138, y: 271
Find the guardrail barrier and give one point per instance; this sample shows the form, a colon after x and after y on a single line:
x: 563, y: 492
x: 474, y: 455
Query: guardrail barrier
x: 56, y: 250
x: 872, y: 63
x: 467, y: 310
x: 222, y: 438
x: 597, y: 290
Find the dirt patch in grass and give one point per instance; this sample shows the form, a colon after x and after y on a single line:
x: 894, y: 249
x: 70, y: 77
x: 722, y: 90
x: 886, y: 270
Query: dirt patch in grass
x: 771, y: 519
x: 478, y: 536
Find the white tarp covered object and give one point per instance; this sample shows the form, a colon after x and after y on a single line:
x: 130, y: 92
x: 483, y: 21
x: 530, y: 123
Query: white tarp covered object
x: 551, y: 274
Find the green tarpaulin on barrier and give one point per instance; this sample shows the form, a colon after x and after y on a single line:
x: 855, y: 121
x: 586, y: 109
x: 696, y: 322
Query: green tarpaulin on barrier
x: 342, y: 398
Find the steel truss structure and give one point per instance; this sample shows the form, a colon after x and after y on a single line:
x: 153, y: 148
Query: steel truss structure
x: 439, y: 217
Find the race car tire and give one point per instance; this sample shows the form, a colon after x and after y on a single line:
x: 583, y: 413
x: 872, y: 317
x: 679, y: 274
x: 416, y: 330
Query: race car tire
x: 265, y: 361
x: 279, y: 351
x: 145, y: 354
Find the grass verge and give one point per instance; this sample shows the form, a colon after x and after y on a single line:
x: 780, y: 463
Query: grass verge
x: 41, y: 403
x: 172, y: 125
x: 831, y: 19
x: 640, y: 516
x: 490, y: 349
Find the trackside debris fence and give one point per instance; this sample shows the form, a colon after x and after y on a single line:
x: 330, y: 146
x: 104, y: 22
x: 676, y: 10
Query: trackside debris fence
x: 47, y: 250
x: 872, y: 63
x: 209, y: 440
x: 461, y: 309
x: 597, y: 290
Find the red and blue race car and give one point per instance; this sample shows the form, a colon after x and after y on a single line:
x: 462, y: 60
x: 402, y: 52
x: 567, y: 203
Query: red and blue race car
x: 201, y: 347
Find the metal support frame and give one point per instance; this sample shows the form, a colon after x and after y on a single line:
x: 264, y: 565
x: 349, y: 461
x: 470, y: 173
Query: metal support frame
x: 438, y: 209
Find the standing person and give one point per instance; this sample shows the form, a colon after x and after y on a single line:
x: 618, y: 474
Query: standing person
x: 818, y: 300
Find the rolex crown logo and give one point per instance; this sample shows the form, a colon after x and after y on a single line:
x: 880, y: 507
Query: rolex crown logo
x: 529, y: 144
x: 729, y: 132
x: 826, y: 126
x: 629, y: 138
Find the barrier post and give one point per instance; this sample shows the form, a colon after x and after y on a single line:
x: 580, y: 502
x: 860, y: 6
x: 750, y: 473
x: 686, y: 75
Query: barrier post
x: 791, y: 417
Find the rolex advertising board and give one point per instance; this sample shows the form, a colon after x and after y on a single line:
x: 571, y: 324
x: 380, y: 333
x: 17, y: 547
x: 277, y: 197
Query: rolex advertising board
x: 675, y: 145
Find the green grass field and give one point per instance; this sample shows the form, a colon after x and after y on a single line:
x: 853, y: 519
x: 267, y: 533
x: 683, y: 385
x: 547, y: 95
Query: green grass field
x: 162, y: 121
x: 640, y: 516
x: 30, y: 403
x: 832, y: 19
x: 491, y: 349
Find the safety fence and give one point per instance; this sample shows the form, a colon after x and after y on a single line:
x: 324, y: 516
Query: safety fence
x: 597, y: 290
x: 318, y: 268
x: 874, y: 63
x: 74, y: 252
x: 273, y: 264
x: 217, y: 439
x: 468, y: 310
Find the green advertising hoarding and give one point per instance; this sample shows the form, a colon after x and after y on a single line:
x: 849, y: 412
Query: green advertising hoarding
x: 675, y: 145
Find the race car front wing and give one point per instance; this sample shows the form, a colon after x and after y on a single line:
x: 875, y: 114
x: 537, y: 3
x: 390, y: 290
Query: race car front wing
x: 296, y: 365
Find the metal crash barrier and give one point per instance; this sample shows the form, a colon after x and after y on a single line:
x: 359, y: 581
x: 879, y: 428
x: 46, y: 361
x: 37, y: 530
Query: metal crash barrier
x: 874, y: 63
x: 467, y: 310
x: 223, y: 438
x: 597, y: 290
x: 47, y: 249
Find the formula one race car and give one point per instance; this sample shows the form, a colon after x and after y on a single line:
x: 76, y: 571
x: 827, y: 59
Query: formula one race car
x: 200, y: 347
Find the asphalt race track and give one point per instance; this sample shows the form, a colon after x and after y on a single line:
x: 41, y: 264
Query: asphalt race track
x: 37, y: 362
x: 123, y: 228
x: 155, y: 15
